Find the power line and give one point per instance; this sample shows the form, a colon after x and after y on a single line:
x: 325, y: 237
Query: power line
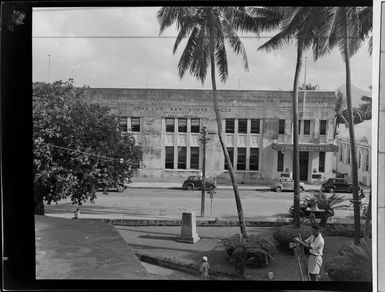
x: 123, y: 37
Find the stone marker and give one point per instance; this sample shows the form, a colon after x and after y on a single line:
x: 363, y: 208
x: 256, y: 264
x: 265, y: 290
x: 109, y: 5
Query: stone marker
x: 189, y: 229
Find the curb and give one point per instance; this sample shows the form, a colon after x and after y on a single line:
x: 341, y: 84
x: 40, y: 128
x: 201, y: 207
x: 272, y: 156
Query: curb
x: 190, y: 269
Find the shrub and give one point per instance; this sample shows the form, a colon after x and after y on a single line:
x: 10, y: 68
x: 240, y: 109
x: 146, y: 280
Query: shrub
x: 342, y: 230
x: 254, y: 250
x: 354, y: 263
x: 285, y: 234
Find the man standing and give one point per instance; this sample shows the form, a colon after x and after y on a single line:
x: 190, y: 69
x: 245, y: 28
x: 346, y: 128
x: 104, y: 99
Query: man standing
x: 204, y: 269
x: 315, y: 244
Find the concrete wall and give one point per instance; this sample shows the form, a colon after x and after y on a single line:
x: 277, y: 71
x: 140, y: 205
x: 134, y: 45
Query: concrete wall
x: 154, y: 105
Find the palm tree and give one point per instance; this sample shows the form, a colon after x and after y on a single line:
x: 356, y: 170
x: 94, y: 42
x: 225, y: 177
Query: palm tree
x: 326, y: 204
x: 208, y: 30
x: 301, y: 24
x: 339, y: 112
x: 308, y: 86
x: 347, y: 28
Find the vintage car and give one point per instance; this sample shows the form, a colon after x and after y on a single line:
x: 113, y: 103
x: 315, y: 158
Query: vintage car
x: 195, y: 183
x: 285, y: 184
x: 332, y: 185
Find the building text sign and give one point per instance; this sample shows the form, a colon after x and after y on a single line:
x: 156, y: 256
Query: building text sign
x: 307, y: 147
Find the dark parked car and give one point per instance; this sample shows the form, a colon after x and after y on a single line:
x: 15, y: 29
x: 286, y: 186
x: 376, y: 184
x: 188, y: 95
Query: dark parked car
x: 332, y: 185
x: 195, y: 183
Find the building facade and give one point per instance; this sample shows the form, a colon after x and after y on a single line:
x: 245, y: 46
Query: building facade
x: 362, y: 133
x: 257, y: 128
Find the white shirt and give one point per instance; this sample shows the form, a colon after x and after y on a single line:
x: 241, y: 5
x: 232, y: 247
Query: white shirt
x: 316, y: 244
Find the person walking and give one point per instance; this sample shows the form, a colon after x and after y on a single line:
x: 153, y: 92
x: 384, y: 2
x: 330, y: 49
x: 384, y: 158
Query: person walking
x: 204, y: 269
x: 315, y: 244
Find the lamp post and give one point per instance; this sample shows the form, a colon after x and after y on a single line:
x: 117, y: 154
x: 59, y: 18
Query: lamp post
x: 203, y: 140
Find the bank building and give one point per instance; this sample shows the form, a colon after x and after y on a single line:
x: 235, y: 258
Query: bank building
x: 257, y: 128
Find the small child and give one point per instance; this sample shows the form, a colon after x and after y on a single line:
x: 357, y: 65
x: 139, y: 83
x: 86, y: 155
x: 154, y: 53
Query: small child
x: 204, y: 269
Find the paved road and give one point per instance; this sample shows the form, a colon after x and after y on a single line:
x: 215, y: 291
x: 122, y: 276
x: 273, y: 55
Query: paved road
x: 170, y: 203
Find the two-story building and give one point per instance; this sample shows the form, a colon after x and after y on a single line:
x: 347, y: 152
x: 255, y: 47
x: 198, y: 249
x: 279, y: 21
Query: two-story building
x: 257, y: 127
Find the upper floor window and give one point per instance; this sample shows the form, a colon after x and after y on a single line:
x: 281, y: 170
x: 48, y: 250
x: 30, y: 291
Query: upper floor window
x: 299, y: 127
x: 135, y: 124
x: 242, y: 126
x: 195, y: 125
x: 230, y: 125
x: 170, y: 125
x: 322, y: 129
x: 367, y: 162
x: 123, y: 124
x: 306, y: 127
x: 182, y: 125
x: 254, y: 126
x: 281, y: 127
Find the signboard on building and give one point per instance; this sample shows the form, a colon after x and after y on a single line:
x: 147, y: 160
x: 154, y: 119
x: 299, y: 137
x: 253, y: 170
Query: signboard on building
x: 307, y: 147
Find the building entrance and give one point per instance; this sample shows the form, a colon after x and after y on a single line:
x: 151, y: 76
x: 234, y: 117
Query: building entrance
x: 303, y: 165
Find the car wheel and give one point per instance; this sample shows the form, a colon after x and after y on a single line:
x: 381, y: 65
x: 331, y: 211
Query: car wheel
x: 189, y: 187
x: 120, y: 188
x: 332, y: 190
x: 278, y: 189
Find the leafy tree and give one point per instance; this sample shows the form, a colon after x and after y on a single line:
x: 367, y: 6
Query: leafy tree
x: 300, y: 24
x: 209, y: 29
x: 76, y: 145
x: 347, y: 28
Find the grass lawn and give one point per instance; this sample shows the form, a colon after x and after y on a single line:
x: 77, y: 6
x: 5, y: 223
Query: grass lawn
x: 159, y: 242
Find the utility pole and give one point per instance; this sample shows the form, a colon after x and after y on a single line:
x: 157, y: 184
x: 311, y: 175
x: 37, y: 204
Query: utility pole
x: 203, y: 140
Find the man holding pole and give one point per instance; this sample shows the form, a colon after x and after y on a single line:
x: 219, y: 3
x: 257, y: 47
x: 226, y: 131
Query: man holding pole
x: 315, y: 244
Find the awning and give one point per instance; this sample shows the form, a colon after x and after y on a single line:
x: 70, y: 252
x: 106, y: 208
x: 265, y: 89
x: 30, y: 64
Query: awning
x: 307, y: 147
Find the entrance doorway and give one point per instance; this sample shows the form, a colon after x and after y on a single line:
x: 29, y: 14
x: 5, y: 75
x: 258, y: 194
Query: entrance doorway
x: 303, y: 165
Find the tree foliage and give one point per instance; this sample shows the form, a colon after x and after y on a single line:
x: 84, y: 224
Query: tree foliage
x: 76, y: 145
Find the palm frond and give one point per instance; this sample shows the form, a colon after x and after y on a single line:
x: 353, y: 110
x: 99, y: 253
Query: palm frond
x: 188, y: 53
x: 167, y: 16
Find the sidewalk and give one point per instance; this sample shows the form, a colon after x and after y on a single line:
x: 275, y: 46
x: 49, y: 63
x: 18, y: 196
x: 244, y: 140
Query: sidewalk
x: 170, y: 185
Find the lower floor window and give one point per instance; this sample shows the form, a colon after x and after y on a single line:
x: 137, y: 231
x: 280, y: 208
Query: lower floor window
x: 321, y: 163
x: 169, y: 157
x: 254, y: 158
x: 230, y: 150
x: 182, y: 157
x: 194, y: 157
x: 241, y: 164
x: 280, y: 161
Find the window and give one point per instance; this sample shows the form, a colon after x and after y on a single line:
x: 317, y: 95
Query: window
x: 348, y: 156
x: 169, y: 157
x: 281, y: 127
x: 299, y: 127
x: 321, y: 162
x: 322, y: 130
x: 170, y: 125
x: 135, y: 124
x: 230, y: 126
x: 241, y: 164
x: 359, y: 159
x: 254, y: 158
x: 306, y: 127
x: 242, y: 126
x: 195, y: 125
x: 341, y: 149
x: 280, y: 161
x: 194, y: 158
x: 182, y: 157
x: 182, y: 125
x: 254, y: 126
x: 367, y: 162
x: 230, y: 150
x: 123, y: 124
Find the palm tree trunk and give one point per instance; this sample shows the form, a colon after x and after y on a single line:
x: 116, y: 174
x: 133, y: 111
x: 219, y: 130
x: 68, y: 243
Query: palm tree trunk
x: 352, y: 139
x: 297, y: 218
x: 227, y: 157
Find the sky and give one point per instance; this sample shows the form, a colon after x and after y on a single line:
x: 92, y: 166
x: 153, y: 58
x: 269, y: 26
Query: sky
x: 145, y: 60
